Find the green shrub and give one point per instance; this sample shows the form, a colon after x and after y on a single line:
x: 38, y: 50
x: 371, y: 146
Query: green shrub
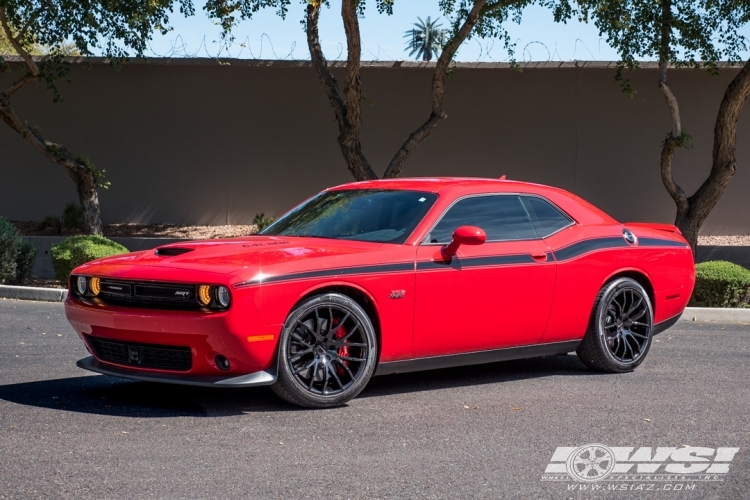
x: 261, y: 221
x: 721, y: 284
x: 25, y: 261
x: 77, y: 250
x: 16, y: 255
x: 72, y: 216
x: 8, y: 251
x: 53, y: 222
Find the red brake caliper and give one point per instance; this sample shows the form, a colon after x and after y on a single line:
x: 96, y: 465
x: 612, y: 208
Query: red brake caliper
x: 342, y: 351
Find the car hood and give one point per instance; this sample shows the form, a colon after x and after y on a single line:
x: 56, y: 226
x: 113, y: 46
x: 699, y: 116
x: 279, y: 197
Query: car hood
x: 240, y: 256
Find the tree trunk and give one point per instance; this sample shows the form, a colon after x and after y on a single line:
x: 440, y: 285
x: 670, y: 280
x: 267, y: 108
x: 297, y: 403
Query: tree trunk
x: 724, y: 163
x: 88, y: 198
x: 347, y: 108
x: 692, y: 211
x: 79, y: 171
x: 438, y: 115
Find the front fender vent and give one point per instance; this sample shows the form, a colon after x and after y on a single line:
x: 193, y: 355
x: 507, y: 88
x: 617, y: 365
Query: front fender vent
x: 172, y: 251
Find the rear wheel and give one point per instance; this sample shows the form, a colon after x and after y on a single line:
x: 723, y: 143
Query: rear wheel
x: 619, y: 333
x: 327, y: 352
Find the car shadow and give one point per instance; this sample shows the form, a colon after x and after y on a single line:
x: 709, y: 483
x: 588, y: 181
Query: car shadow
x: 104, y: 395
x: 462, y: 376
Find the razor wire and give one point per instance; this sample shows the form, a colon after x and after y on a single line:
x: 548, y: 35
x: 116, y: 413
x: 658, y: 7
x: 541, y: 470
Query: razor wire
x: 263, y: 48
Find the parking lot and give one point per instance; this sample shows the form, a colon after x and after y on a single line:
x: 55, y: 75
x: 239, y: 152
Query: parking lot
x: 483, y: 431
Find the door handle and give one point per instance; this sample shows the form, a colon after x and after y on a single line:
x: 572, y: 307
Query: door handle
x: 539, y: 257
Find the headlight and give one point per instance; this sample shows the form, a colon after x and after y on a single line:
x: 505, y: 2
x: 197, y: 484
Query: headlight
x: 204, y: 295
x: 81, y: 285
x: 223, y: 297
x: 95, y: 285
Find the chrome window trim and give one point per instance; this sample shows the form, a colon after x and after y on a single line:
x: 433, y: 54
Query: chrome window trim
x: 477, y: 195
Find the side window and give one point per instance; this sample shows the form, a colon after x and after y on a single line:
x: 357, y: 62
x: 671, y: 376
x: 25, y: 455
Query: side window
x: 502, y: 217
x: 546, y: 217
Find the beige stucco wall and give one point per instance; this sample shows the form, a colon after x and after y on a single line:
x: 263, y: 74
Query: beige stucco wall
x: 199, y: 143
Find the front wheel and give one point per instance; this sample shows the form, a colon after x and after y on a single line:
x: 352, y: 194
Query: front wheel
x: 327, y: 352
x: 620, y: 330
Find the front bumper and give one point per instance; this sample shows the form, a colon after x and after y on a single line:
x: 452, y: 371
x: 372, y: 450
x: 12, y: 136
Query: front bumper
x: 237, y: 334
x: 266, y: 377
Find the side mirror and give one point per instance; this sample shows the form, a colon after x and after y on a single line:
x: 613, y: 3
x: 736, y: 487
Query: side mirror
x: 464, y: 235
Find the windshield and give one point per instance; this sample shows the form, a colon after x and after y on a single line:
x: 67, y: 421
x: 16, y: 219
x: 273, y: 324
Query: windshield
x: 377, y: 215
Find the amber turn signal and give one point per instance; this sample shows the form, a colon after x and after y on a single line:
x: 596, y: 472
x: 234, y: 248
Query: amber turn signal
x: 204, y: 295
x: 95, y: 285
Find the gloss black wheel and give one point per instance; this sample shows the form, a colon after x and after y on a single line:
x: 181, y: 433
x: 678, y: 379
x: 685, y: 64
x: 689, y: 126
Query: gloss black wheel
x: 327, y: 352
x: 619, y: 334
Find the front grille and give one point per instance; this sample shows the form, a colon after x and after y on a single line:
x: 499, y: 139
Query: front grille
x: 142, y: 355
x: 171, y: 292
x: 148, y: 294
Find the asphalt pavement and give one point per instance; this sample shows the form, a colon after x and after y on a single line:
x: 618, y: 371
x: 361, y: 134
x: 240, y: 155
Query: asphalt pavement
x: 484, y: 431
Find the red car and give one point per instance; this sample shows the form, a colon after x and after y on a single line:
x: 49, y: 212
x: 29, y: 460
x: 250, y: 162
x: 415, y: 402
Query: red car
x: 384, y: 277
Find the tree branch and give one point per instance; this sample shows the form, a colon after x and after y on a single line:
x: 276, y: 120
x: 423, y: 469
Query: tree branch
x: 347, y: 111
x: 675, y: 191
x: 353, y: 90
x: 17, y: 45
x: 20, y: 84
x: 81, y: 174
x: 664, y: 43
x: 320, y: 64
x: 496, y: 5
x: 674, y: 109
x: 52, y: 151
x: 437, y: 116
x: 724, y: 163
x: 725, y: 130
x: 26, y: 26
x: 675, y: 138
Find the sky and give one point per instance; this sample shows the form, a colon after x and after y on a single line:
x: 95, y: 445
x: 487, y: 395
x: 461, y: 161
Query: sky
x: 267, y: 36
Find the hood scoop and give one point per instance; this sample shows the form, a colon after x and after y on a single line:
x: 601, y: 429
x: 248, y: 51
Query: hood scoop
x: 172, y: 251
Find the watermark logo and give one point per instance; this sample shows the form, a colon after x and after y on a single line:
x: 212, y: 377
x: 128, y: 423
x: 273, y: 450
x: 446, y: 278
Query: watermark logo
x: 671, y: 467
x: 592, y: 462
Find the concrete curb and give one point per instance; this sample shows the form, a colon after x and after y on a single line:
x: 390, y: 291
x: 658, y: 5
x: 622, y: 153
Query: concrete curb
x: 33, y: 293
x: 732, y: 315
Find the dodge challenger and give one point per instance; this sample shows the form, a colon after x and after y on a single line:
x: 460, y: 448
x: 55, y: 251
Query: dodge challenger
x: 383, y: 277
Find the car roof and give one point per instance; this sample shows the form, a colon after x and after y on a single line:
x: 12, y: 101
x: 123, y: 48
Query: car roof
x: 581, y: 210
x: 437, y: 184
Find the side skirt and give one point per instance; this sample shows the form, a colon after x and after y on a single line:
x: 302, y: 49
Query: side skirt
x: 667, y: 323
x: 476, y: 358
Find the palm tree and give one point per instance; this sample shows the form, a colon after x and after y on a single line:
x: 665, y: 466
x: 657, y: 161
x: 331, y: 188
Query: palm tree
x: 425, y: 39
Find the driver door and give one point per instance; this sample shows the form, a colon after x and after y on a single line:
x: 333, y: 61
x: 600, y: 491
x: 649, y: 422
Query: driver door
x: 494, y: 295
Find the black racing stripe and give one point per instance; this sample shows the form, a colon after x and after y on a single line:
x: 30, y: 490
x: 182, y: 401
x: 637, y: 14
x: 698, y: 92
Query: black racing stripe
x: 494, y: 260
x: 658, y: 242
x: 342, y: 271
x: 567, y: 253
x: 582, y: 247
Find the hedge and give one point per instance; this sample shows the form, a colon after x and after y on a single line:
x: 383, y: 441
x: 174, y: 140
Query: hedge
x: 77, y: 250
x: 721, y: 284
x: 16, y: 255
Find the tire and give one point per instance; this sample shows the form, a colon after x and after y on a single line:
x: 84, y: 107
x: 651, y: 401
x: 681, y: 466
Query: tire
x: 620, y: 330
x: 327, y: 352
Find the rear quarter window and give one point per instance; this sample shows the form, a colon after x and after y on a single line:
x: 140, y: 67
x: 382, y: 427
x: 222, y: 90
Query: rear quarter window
x: 545, y: 216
